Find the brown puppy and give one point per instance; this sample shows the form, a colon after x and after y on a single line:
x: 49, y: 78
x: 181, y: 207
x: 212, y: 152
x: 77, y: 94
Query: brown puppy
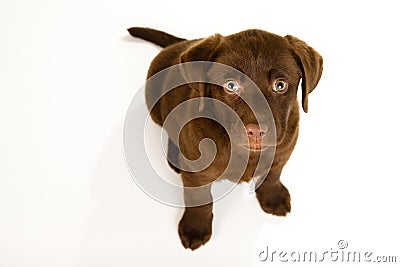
x: 275, y: 65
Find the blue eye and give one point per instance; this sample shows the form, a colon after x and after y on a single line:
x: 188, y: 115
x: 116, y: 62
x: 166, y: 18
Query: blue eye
x: 231, y: 85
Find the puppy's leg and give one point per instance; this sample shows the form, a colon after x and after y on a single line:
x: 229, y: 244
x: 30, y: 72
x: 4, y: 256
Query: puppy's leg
x: 272, y: 195
x: 195, y: 227
x: 173, y: 156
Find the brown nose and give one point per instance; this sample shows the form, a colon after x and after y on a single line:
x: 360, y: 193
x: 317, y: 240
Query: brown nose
x: 256, y: 132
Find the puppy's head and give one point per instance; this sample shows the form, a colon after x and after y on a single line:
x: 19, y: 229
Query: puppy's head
x: 269, y: 68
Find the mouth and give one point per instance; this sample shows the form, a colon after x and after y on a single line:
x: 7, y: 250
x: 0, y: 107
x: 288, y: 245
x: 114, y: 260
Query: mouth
x: 255, y: 147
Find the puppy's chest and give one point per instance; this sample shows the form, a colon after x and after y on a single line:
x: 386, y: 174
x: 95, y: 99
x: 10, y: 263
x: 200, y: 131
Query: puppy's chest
x: 237, y: 168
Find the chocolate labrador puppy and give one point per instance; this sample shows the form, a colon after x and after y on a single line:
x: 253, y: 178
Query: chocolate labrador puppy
x: 273, y: 64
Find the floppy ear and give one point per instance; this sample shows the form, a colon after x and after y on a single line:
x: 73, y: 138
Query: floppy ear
x: 203, y: 50
x: 310, y: 63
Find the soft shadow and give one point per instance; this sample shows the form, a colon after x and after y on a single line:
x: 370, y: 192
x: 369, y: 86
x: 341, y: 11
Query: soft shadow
x: 131, y: 39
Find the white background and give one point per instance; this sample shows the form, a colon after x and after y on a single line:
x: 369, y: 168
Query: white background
x: 68, y: 71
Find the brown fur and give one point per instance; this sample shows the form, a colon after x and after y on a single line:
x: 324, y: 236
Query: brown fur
x: 263, y: 57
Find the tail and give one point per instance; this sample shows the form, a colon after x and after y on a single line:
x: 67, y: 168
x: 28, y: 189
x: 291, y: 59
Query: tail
x: 160, y: 38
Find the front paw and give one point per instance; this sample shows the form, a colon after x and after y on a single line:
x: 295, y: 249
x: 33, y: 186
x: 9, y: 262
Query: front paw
x: 274, y: 200
x: 193, y: 231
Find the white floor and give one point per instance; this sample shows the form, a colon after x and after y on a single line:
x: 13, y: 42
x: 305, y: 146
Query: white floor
x: 68, y: 72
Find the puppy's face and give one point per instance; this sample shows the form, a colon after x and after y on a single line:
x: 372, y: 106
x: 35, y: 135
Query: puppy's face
x: 263, y: 90
x: 268, y: 61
